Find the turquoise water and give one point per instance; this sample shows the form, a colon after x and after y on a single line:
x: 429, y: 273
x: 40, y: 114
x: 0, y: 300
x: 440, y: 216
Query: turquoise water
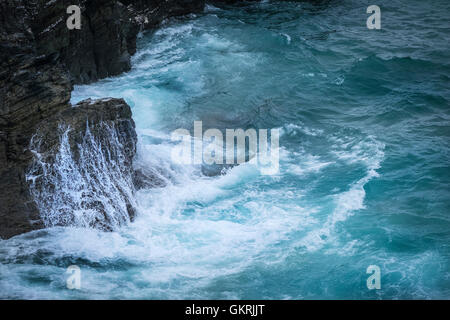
x: 364, y: 162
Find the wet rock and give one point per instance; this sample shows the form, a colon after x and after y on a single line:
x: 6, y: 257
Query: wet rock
x: 32, y: 88
x: 82, y: 170
x: 40, y: 59
x: 146, y: 178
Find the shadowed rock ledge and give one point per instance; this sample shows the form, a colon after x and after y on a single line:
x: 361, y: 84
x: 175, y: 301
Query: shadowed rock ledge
x: 40, y: 59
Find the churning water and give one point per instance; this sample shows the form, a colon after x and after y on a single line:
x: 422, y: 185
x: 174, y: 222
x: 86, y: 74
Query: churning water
x: 364, y: 162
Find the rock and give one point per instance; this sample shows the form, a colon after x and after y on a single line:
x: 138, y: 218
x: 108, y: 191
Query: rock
x: 150, y: 13
x: 107, y: 39
x: 146, y: 178
x: 101, y: 48
x: 82, y: 171
x: 40, y: 59
x: 32, y: 88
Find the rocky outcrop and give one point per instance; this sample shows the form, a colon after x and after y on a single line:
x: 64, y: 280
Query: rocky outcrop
x: 82, y: 169
x: 34, y: 102
x: 101, y: 48
x: 40, y: 59
x: 91, y: 115
x: 32, y: 88
x: 107, y: 38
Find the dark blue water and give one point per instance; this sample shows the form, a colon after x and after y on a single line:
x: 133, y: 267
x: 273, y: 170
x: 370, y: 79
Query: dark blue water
x: 364, y: 177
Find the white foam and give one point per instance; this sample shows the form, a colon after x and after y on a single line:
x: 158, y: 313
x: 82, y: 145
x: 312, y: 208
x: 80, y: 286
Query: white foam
x: 369, y: 152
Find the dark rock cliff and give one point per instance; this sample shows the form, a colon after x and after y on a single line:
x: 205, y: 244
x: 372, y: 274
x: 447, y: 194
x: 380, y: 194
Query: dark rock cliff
x: 32, y: 88
x: 101, y: 48
x: 107, y: 39
x: 39, y: 60
x: 82, y: 170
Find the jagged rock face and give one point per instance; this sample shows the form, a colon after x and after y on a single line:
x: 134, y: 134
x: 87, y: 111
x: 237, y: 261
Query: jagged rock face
x: 32, y: 87
x: 107, y: 38
x: 101, y: 48
x: 39, y: 60
x: 92, y: 115
x: 82, y: 173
